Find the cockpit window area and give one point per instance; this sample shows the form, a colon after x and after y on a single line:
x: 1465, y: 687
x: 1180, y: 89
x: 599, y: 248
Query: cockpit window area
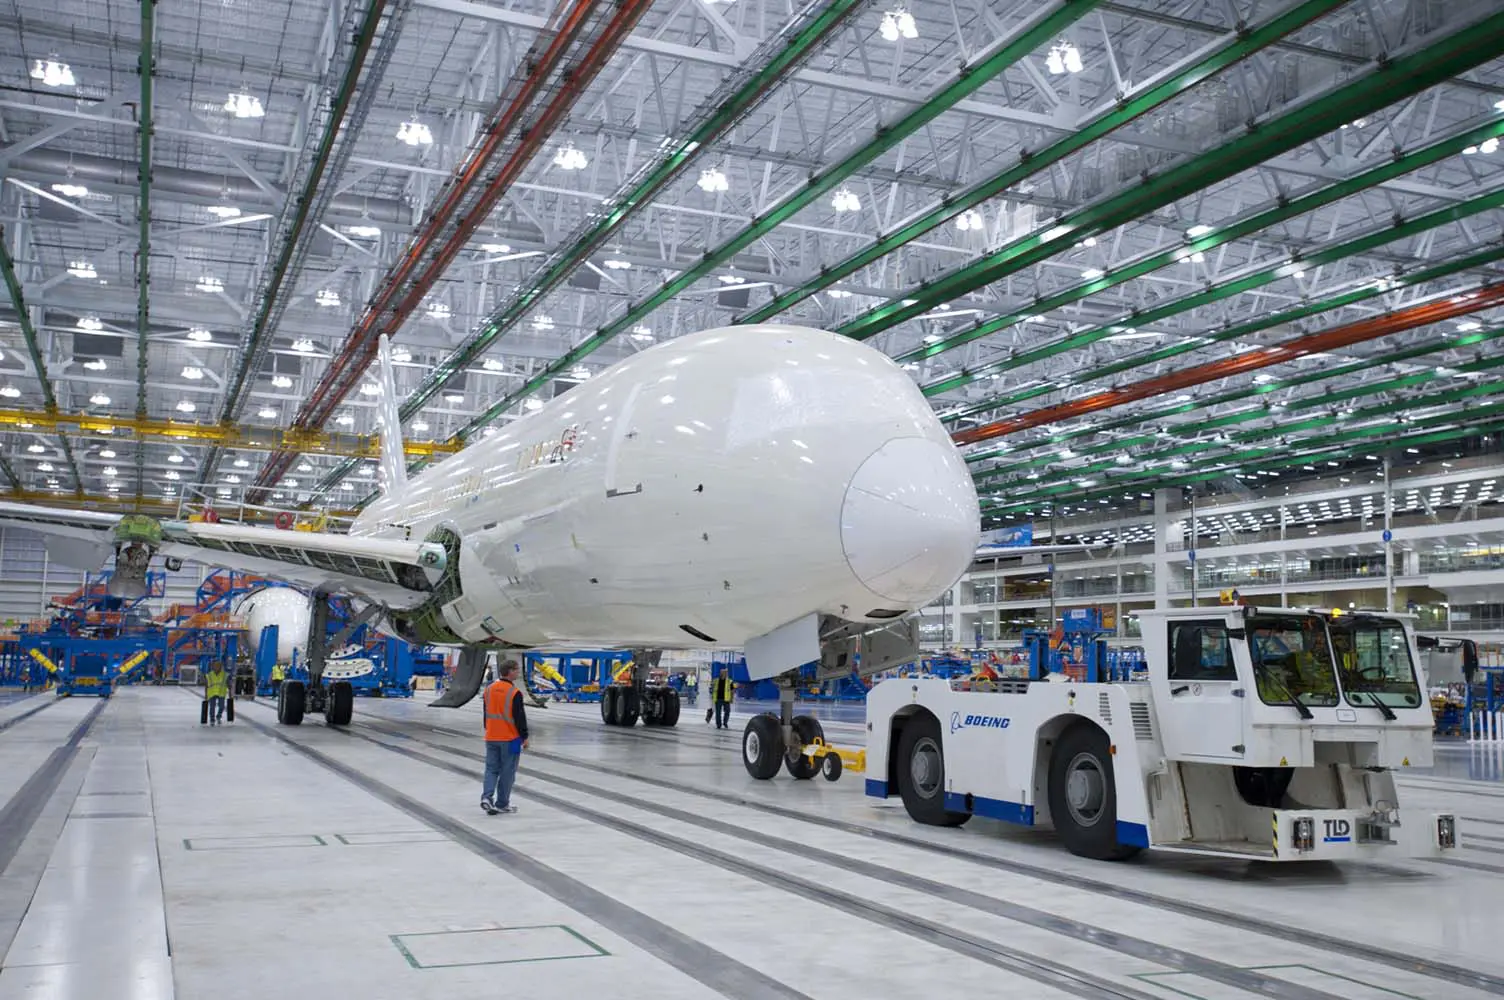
x: 1373, y: 659
x: 1292, y: 660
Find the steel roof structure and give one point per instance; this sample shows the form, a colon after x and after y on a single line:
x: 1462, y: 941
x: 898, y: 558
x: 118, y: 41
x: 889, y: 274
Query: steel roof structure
x: 1121, y: 244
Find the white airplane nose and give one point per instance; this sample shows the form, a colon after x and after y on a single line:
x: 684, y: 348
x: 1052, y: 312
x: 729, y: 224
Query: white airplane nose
x: 910, y: 523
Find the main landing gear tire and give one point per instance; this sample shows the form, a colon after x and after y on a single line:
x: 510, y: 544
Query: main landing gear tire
x: 1083, y: 796
x: 661, y: 707
x: 921, y: 773
x: 807, y: 728
x: 670, y: 708
x: 762, y: 746
x: 339, y: 704
x: 624, y: 707
x: 291, y: 698
x: 608, y: 699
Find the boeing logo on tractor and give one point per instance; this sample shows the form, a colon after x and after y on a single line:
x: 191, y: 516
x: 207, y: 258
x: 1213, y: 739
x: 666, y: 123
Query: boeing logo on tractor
x: 958, y: 721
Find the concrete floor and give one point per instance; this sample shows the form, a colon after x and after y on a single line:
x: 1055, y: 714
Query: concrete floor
x: 146, y: 856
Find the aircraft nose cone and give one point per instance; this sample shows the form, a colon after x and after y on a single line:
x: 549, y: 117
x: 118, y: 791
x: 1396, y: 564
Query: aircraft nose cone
x: 910, y: 523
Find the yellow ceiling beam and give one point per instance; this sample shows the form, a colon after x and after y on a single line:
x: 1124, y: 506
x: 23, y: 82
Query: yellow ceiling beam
x: 157, y: 506
x: 224, y: 435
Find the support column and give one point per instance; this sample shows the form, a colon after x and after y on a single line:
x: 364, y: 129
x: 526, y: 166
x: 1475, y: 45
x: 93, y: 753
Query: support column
x: 1160, y: 561
x: 1388, y: 538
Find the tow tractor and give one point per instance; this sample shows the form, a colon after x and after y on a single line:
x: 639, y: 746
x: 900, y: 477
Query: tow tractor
x: 1260, y: 733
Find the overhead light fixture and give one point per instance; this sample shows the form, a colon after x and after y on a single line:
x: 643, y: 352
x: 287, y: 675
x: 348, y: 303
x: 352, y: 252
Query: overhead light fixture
x: 243, y: 105
x: 327, y: 297
x: 712, y: 180
x: 496, y: 248
x: 344, y: 420
x: 175, y: 459
x: 267, y: 413
x: 302, y: 345
x: 186, y: 406
x: 898, y: 23
x: 209, y: 283
x: 369, y: 389
x: 533, y: 404
x: 493, y: 365
x: 53, y: 73
x: 200, y: 334
x: 838, y: 293
x: 418, y: 425
x: 71, y: 190
x: 1488, y: 146
x: 96, y: 364
x: 364, y: 232
x: 304, y: 467
x: 845, y: 201
x: 616, y: 264
x: 415, y: 133
x: 107, y: 453
x: 82, y: 269
x: 401, y: 355
x: 543, y: 322
x: 1092, y: 273
x: 44, y: 467
x: 1197, y: 230
x: 281, y: 382
x: 641, y: 333
x: 100, y: 399
x: 111, y: 471
x: 35, y: 449
x: 438, y: 310
x: 223, y: 211
x: 570, y: 158
x: 90, y: 323
x: 193, y: 372
x: 969, y: 220
x: 454, y: 397
x: 291, y: 484
x: 1063, y: 58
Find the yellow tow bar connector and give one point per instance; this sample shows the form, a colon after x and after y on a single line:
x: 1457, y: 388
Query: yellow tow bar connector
x: 833, y: 760
x: 40, y: 657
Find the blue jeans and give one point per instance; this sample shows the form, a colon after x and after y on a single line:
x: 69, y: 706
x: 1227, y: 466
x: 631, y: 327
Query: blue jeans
x: 216, y: 708
x: 501, y: 772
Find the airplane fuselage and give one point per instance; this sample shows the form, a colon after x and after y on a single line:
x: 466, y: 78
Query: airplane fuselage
x: 702, y: 492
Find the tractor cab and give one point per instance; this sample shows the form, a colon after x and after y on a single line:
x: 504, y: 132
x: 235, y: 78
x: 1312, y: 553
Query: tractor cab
x: 1283, y: 687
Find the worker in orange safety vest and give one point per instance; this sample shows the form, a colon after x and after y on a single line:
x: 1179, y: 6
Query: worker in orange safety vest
x: 506, y: 737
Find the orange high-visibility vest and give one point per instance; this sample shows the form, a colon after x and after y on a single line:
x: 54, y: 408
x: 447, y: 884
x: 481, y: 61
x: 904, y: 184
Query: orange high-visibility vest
x: 500, y: 725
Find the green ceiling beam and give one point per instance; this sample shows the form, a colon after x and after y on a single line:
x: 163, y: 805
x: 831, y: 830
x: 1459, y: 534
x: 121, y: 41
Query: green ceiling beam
x: 1222, y: 53
x: 146, y: 66
x: 1389, y: 81
x: 34, y: 350
x: 1259, y: 324
x: 1260, y: 389
x: 779, y: 56
x: 1042, y: 28
x: 1069, y: 483
x: 1287, y: 210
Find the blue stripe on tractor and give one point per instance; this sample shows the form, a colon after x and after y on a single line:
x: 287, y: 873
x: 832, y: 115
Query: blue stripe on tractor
x: 877, y: 789
x: 1337, y: 840
x: 1133, y: 834
x: 1008, y: 812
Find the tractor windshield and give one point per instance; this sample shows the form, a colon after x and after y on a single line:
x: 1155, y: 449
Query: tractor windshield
x: 1292, y: 660
x: 1373, y: 656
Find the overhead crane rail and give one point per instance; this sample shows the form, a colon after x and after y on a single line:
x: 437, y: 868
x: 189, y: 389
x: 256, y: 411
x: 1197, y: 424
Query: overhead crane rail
x: 537, y: 98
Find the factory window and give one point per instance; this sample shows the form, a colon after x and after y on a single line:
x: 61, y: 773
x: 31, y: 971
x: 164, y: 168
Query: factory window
x: 1292, y: 660
x: 1374, y: 657
x: 1200, y: 651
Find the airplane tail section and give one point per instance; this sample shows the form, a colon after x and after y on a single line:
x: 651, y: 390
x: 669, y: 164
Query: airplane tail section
x: 389, y: 422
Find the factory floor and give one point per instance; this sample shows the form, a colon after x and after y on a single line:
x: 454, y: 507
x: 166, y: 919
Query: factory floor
x: 143, y: 855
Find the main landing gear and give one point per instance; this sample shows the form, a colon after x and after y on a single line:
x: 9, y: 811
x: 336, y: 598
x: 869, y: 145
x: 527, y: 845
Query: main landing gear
x: 770, y: 741
x: 335, y: 700
x: 656, y: 704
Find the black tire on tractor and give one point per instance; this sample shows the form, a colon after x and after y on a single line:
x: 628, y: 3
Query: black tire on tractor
x: 630, y: 707
x: 921, y: 773
x: 800, y: 765
x: 762, y: 746
x: 339, y: 704
x: 1083, y: 797
x: 291, y: 699
x: 670, y: 708
x: 606, y: 707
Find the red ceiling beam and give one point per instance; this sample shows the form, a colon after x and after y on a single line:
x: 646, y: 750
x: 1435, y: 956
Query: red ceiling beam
x: 1315, y: 343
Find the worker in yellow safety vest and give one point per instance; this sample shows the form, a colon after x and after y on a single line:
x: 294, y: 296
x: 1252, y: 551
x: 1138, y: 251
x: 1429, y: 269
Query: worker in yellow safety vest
x: 721, y: 691
x: 506, y: 738
x: 279, y: 673
x: 216, y: 690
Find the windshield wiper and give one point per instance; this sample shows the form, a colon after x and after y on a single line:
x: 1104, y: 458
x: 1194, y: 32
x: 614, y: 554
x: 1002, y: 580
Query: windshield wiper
x: 1290, y: 699
x: 1374, y: 702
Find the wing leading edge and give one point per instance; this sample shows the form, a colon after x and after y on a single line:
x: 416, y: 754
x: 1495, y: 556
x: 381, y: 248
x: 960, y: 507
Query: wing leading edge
x: 396, y: 574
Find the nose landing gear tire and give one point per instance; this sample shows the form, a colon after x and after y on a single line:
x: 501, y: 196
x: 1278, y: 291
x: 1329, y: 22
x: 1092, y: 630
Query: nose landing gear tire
x: 291, y: 698
x: 1083, y: 798
x: 807, y: 728
x: 762, y: 746
x: 921, y: 773
x: 339, y: 706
